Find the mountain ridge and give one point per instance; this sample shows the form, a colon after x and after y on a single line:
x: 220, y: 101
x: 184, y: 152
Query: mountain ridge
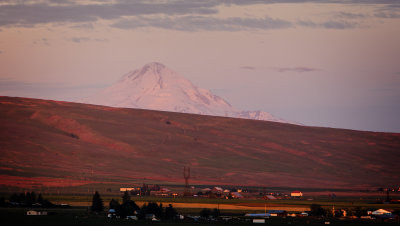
x: 55, y: 143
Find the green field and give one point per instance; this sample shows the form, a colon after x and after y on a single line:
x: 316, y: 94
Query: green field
x: 340, y: 202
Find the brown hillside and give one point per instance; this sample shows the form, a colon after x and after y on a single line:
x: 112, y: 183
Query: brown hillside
x: 55, y: 143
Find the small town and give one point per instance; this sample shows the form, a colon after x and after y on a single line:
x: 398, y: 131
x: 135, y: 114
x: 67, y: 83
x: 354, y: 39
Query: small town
x: 158, y: 204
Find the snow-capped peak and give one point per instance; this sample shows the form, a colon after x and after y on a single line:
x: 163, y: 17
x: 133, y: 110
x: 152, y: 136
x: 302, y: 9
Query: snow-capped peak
x: 156, y: 87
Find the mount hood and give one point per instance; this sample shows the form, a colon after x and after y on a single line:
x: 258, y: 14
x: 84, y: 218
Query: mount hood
x: 156, y: 87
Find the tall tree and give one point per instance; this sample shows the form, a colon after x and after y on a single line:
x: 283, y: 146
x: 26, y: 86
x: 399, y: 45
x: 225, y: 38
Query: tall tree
x: 129, y: 208
x: 97, y: 203
x: 170, y: 212
x: 126, y: 197
x: 215, y: 213
x: 205, y: 213
x: 114, y: 204
x: 40, y: 198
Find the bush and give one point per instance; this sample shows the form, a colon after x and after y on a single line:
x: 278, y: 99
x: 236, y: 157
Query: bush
x: 170, y: 212
x: 205, y: 213
x: 317, y: 210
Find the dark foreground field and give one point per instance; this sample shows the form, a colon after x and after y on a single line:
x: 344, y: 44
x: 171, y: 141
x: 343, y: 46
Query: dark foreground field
x: 79, y: 216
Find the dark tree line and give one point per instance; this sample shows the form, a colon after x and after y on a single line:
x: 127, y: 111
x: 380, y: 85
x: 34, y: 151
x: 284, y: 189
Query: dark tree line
x: 26, y: 199
x: 168, y: 213
x: 206, y: 213
x: 126, y: 208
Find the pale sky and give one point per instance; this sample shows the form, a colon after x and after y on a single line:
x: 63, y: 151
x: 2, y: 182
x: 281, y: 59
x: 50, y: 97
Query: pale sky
x: 333, y: 63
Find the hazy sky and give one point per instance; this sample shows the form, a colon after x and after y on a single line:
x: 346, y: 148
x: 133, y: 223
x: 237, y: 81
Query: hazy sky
x: 333, y: 63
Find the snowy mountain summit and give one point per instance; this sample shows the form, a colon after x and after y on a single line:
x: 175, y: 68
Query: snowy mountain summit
x: 156, y: 87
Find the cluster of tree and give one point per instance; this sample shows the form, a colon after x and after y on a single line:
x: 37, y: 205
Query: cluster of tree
x: 26, y: 199
x: 168, y: 213
x: 206, y: 213
x: 128, y: 207
x: 317, y: 210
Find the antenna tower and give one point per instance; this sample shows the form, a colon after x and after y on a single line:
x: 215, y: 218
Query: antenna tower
x: 186, y: 175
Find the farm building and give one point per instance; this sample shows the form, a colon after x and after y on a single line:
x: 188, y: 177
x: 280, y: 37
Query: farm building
x: 126, y: 189
x: 236, y: 195
x: 270, y: 197
x: 161, y: 192
x: 217, y: 190
x: 296, y: 194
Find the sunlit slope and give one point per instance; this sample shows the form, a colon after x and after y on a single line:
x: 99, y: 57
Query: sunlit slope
x: 54, y: 143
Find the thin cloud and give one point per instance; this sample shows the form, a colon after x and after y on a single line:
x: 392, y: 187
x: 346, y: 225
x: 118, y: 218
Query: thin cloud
x: 248, y: 68
x: 78, y: 39
x: 391, y: 11
x: 339, y: 25
x: 201, y: 23
x: 84, y: 39
x: 347, y: 15
x: 248, y: 2
x: 31, y: 13
x: 85, y: 26
x: 296, y: 69
x: 331, y: 24
x: 42, y: 41
x: 388, y: 15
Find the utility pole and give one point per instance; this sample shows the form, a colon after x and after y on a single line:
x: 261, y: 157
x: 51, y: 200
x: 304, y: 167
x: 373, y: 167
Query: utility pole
x: 186, y: 175
x: 387, y: 195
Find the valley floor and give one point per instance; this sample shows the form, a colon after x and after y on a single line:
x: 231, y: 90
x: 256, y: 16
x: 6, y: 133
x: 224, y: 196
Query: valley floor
x: 234, y: 210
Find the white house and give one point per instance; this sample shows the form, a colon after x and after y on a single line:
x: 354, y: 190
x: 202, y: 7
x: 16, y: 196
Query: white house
x: 381, y: 212
x: 35, y: 213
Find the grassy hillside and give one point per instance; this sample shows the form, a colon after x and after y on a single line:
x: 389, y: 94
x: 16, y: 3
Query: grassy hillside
x: 51, y: 143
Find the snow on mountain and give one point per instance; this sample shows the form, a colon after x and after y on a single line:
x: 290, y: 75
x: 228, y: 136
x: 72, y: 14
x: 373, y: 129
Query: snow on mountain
x: 261, y: 115
x: 156, y: 87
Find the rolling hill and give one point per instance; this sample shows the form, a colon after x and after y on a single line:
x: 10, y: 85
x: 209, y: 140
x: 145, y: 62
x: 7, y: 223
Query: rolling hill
x: 54, y: 143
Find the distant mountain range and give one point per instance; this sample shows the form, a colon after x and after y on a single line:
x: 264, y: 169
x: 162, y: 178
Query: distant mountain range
x: 156, y: 87
x: 47, y: 143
